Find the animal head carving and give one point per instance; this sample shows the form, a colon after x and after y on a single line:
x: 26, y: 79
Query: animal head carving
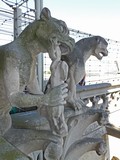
x: 100, y: 47
x: 50, y: 30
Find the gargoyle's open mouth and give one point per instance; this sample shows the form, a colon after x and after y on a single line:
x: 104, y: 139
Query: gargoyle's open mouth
x: 101, y: 55
x: 65, y: 49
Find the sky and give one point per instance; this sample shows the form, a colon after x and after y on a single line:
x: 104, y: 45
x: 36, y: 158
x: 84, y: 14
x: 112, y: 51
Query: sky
x: 98, y: 17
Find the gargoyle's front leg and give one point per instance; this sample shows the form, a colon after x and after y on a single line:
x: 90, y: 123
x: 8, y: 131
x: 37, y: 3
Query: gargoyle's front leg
x: 74, y: 102
x: 74, y: 77
x: 55, y: 97
x: 33, y: 85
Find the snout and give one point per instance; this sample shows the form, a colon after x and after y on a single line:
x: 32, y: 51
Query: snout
x: 105, y: 53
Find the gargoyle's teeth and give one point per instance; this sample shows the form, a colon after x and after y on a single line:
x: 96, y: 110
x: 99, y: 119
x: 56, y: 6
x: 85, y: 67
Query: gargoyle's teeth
x: 101, y: 54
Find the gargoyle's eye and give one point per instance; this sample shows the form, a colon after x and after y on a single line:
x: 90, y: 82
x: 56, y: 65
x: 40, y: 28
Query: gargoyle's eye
x: 64, y: 30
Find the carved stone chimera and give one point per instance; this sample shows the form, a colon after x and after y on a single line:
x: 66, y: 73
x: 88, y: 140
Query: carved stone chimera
x: 63, y: 127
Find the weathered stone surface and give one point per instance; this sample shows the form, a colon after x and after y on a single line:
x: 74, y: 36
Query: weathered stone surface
x: 92, y: 155
x: 114, y: 158
x: 18, y: 62
x: 84, y: 48
x: 62, y: 132
x: 82, y: 128
x: 18, y: 80
x: 9, y: 152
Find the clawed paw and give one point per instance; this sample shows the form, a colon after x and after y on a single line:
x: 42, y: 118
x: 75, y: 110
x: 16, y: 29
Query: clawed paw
x: 77, y: 104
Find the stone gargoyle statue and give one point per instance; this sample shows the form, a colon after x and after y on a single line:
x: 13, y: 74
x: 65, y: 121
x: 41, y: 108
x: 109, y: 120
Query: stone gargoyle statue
x: 19, y: 87
x: 18, y: 63
x: 84, y: 48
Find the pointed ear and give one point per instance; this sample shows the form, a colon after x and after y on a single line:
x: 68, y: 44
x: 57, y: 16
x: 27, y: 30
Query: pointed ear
x: 45, y: 14
x: 97, y: 38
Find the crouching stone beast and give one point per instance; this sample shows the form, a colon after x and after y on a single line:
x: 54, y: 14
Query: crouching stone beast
x: 17, y: 66
x: 84, y: 48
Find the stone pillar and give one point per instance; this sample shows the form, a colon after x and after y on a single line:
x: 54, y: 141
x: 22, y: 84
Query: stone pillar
x: 17, y: 22
x: 38, y: 8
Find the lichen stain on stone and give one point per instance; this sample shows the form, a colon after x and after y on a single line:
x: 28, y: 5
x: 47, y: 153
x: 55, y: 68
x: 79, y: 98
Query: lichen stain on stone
x: 8, y: 152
